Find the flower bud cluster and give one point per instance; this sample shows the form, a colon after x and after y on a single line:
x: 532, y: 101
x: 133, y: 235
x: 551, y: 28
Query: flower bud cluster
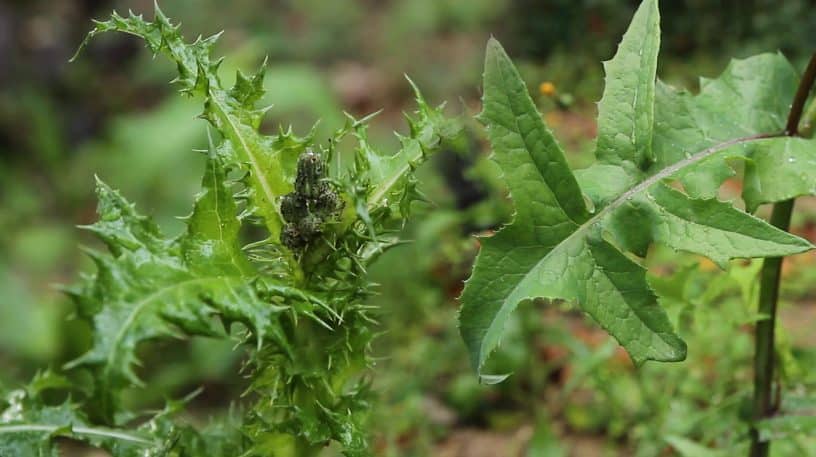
x: 311, y: 205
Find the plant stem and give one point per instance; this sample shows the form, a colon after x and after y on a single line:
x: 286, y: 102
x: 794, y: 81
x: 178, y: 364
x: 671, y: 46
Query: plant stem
x: 764, y: 355
x: 802, y: 92
x: 764, y: 362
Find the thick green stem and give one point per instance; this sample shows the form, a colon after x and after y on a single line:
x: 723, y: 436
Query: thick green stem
x: 764, y: 363
x: 764, y: 355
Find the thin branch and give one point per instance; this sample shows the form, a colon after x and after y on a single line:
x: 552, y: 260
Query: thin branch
x: 802, y: 92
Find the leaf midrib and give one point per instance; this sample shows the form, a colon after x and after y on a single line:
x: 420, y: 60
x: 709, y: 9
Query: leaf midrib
x: 216, y: 188
x: 529, y: 147
x: 649, y: 81
x: 253, y: 160
x: 382, y: 190
x: 218, y: 103
x: 89, y: 431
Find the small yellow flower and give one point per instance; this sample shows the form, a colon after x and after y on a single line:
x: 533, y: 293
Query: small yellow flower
x: 547, y: 88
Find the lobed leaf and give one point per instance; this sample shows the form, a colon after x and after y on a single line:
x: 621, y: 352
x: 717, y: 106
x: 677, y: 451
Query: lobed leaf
x: 150, y: 286
x: 750, y: 98
x: 555, y: 249
x: 387, y: 181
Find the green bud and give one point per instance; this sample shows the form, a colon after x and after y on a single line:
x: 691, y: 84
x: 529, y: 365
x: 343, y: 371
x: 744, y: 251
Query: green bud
x: 292, y: 238
x: 310, y: 174
x: 293, y: 207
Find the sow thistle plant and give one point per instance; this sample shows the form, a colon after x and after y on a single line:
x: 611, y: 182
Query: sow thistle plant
x: 297, y: 297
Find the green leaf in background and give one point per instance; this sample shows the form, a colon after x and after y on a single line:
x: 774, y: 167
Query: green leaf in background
x: 784, y: 426
x: 544, y: 442
x: 556, y: 249
x: 150, y: 286
x: 796, y: 416
x: 688, y: 448
x: 25, y: 329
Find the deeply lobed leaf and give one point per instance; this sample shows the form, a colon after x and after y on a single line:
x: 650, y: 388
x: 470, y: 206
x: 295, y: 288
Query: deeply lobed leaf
x: 751, y: 97
x: 150, y: 286
x: 555, y: 249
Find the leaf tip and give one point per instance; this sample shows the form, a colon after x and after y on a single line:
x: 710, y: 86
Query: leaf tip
x: 492, y: 379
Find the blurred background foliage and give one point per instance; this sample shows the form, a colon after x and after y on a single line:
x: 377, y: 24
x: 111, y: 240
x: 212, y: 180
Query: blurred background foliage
x: 573, y: 391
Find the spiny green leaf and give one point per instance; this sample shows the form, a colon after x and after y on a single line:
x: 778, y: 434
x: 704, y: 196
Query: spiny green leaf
x: 555, y: 249
x: 30, y: 426
x: 308, y: 376
x: 151, y: 286
x: 211, y: 241
x: 269, y: 167
x: 390, y: 177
